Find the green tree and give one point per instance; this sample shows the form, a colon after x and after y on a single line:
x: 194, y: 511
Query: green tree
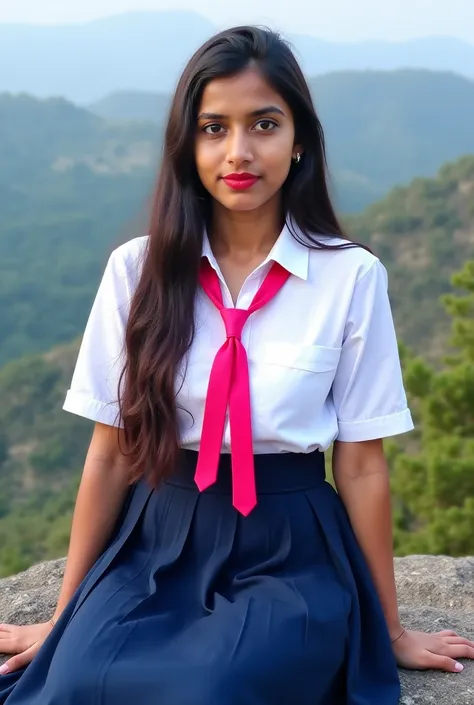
x: 433, y: 481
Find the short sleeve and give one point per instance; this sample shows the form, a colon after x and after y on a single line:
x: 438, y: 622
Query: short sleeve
x: 94, y: 387
x: 368, y: 391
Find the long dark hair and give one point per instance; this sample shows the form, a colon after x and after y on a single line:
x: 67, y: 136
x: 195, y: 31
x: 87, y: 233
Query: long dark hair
x: 160, y: 326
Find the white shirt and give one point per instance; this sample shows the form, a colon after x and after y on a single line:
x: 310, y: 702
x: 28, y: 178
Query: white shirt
x: 323, y: 356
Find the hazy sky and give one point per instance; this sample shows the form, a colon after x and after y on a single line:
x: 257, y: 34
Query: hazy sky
x: 329, y: 19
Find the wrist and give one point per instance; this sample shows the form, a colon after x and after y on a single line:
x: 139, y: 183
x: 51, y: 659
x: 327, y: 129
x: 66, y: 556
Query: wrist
x: 397, y: 638
x: 394, y: 628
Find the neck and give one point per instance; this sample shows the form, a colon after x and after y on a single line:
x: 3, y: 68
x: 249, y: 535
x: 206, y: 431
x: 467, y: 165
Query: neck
x: 244, y: 234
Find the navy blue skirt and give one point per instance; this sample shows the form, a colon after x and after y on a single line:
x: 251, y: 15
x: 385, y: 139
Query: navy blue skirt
x: 194, y: 604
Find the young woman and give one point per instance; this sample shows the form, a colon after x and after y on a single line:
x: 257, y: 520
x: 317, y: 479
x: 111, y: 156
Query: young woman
x: 210, y: 562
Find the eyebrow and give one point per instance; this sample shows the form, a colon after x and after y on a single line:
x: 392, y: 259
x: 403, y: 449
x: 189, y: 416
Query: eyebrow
x: 255, y: 113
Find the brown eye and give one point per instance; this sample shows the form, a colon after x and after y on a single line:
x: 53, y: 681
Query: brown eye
x: 213, y: 129
x: 266, y: 125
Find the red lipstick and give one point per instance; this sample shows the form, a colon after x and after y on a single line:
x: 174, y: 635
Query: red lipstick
x: 239, y: 182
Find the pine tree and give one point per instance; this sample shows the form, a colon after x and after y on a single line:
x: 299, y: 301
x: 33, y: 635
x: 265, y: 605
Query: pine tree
x: 433, y: 475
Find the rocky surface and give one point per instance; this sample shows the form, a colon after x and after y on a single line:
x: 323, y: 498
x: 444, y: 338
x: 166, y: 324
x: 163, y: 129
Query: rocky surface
x: 435, y: 593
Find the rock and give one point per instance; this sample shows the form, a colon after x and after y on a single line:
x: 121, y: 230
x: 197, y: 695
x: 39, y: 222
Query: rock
x: 435, y: 593
x: 440, y: 581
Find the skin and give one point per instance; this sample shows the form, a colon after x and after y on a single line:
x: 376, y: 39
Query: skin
x: 253, y: 133
x: 245, y: 223
x: 245, y: 226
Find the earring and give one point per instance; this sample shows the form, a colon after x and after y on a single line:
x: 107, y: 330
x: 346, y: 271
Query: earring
x: 297, y: 158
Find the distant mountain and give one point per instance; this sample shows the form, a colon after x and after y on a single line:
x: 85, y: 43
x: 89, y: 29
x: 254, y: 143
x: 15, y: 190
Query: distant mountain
x: 147, y: 50
x: 388, y: 127
x: 433, y: 53
x: 144, y: 106
x: 83, y: 62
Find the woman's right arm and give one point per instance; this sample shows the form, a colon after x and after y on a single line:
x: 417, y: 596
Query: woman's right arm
x: 99, y: 501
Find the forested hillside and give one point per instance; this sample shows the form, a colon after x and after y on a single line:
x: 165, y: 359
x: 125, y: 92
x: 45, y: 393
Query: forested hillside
x: 41, y: 452
x: 70, y: 187
x: 423, y: 233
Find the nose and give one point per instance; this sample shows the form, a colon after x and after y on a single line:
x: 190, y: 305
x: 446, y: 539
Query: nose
x: 239, y: 149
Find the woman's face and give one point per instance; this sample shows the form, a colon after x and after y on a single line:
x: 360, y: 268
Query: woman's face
x: 245, y: 141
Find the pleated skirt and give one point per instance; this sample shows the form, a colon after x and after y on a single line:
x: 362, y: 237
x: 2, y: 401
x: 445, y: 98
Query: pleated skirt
x: 193, y: 604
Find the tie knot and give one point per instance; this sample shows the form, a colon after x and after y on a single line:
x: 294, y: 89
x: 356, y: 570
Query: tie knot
x: 234, y: 321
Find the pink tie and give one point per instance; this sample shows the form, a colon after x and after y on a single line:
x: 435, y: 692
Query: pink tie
x: 229, y: 386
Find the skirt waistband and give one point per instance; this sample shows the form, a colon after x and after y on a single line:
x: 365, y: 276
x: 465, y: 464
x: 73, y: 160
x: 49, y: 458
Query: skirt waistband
x: 274, y: 472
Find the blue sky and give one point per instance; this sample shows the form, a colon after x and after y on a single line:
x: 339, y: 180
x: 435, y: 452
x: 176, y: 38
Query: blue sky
x: 340, y: 20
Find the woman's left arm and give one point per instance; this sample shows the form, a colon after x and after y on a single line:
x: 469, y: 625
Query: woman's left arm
x: 362, y: 481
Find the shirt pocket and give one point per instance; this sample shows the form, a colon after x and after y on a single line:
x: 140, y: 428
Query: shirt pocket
x: 307, y: 358
x: 291, y: 383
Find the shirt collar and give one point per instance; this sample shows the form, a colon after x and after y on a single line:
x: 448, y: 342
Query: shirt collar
x: 287, y: 251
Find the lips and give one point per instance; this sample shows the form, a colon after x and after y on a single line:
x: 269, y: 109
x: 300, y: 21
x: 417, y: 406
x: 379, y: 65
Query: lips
x: 240, y: 182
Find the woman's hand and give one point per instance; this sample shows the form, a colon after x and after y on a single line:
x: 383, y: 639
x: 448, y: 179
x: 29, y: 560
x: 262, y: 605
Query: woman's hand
x: 24, y: 641
x: 419, y: 650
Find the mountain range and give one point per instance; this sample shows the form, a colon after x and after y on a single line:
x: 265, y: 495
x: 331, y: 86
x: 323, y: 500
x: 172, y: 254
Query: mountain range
x: 147, y: 50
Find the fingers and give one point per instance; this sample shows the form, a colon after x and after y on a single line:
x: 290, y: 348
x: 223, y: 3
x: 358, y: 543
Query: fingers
x: 9, y: 643
x: 20, y: 661
x: 458, y: 650
x: 458, y: 640
x: 9, y: 646
x: 17, y: 639
x: 442, y: 663
x: 446, y: 632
